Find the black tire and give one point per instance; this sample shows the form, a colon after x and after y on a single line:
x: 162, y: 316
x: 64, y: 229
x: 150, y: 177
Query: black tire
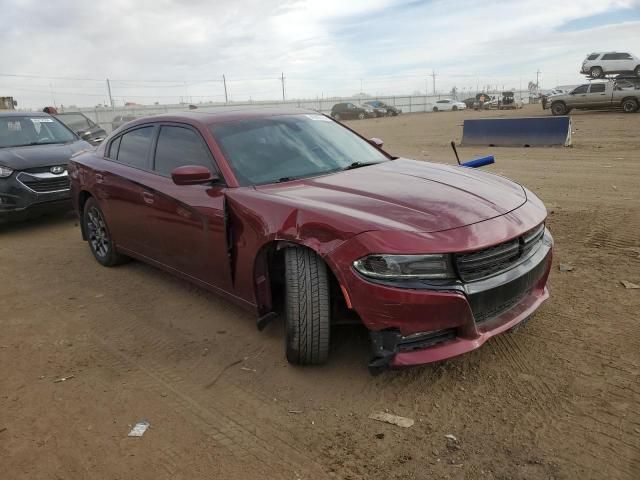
x: 435, y: 109
x: 637, y: 71
x: 596, y: 72
x: 559, y: 108
x: 454, y: 108
x: 98, y: 235
x: 336, y: 116
x: 630, y: 105
x: 361, y: 116
x: 307, y: 318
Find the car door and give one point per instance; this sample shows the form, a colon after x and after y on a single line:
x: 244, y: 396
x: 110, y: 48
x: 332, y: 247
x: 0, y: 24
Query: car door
x: 597, y: 97
x: 187, y: 222
x: 626, y: 63
x: 120, y: 187
x: 609, y: 62
x: 578, y: 97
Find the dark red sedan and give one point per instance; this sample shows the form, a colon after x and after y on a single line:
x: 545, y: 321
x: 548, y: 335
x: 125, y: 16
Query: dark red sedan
x: 289, y: 213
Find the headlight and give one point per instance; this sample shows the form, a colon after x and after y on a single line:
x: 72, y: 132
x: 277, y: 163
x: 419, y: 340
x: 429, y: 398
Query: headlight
x: 5, y: 172
x: 405, y: 266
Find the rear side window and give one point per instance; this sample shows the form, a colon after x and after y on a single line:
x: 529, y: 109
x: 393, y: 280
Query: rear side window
x: 597, y: 88
x: 593, y: 57
x: 134, y: 147
x: 113, y: 148
x: 179, y: 146
x: 609, y: 56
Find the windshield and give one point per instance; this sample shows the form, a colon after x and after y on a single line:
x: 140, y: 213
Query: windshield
x: 75, y: 121
x: 18, y: 131
x: 281, y: 148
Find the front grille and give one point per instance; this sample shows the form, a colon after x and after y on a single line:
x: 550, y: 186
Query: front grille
x: 496, y: 301
x: 44, y: 185
x: 493, y: 260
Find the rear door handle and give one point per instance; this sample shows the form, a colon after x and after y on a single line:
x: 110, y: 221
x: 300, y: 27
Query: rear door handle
x: 99, y: 178
x: 148, y: 198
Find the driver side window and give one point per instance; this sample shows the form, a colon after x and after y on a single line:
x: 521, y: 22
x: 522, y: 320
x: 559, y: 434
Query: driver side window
x: 581, y: 89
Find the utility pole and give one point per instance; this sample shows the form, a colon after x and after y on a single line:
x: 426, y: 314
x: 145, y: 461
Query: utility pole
x: 433, y: 75
x: 224, y: 82
x: 282, y: 79
x: 53, y: 97
x: 110, y: 97
x: 537, y: 78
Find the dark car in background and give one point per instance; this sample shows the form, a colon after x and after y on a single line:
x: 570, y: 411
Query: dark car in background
x: 35, y: 149
x: 293, y: 215
x: 86, y: 128
x: 120, y: 120
x: 389, y: 110
x: 351, y: 111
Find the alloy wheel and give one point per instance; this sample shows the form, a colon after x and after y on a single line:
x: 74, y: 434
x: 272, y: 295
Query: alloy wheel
x: 97, y: 232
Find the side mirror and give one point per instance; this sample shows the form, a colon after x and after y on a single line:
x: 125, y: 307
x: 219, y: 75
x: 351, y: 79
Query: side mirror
x: 192, y: 175
x: 376, y: 142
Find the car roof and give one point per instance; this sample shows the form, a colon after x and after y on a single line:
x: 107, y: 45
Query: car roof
x: 14, y: 113
x: 223, y: 115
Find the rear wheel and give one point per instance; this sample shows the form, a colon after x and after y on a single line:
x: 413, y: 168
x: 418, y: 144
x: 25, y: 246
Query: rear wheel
x: 336, y: 116
x: 637, y: 71
x: 630, y: 105
x: 361, y: 116
x: 596, y: 72
x: 307, y: 307
x: 98, y: 235
x: 559, y: 108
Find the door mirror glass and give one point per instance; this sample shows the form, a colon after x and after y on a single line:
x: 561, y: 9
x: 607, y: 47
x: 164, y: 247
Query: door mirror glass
x: 376, y: 142
x: 192, y: 175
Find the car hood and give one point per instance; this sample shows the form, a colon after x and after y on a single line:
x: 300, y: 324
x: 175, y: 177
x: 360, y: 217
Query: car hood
x: 32, y: 156
x: 405, y: 195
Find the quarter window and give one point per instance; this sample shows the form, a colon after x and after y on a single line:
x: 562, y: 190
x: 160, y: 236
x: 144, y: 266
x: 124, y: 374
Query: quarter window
x: 134, y: 147
x: 179, y: 146
x: 113, y: 148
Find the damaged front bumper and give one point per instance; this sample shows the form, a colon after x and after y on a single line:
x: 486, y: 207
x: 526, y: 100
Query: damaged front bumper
x: 477, y: 311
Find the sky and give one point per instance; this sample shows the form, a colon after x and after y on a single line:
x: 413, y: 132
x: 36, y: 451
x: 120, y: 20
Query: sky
x: 170, y: 51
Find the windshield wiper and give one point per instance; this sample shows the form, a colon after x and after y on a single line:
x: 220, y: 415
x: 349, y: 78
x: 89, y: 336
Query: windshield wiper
x: 359, y: 164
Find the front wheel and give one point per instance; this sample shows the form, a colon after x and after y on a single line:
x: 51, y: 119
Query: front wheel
x: 559, y: 108
x: 307, y: 317
x: 98, y: 235
x: 630, y: 105
x: 361, y: 116
x: 454, y: 108
x: 435, y: 109
x: 637, y: 71
x: 336, y: 117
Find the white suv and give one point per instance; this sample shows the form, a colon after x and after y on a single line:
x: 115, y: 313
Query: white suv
x: 597, y: 64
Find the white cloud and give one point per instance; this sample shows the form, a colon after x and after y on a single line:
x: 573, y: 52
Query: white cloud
x: 321, y: 46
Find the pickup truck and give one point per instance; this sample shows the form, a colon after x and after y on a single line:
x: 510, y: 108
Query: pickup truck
x: 591, y: 96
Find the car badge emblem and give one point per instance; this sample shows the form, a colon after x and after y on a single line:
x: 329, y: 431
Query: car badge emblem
x: 57, y: 170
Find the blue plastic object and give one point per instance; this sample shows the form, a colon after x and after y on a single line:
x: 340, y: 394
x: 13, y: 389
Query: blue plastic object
x: 479, y: 162
x: 517, y: 132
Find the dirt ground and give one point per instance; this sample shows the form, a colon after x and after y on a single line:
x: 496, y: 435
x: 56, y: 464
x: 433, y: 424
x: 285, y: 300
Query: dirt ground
x: 558, y: 399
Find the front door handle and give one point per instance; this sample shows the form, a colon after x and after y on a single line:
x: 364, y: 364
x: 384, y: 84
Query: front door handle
x: 148, y: 198
x: 99, y: 178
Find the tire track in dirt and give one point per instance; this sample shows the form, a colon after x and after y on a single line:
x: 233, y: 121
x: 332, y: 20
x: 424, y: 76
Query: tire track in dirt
x: 234, y: 435
x: 235, y: 401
